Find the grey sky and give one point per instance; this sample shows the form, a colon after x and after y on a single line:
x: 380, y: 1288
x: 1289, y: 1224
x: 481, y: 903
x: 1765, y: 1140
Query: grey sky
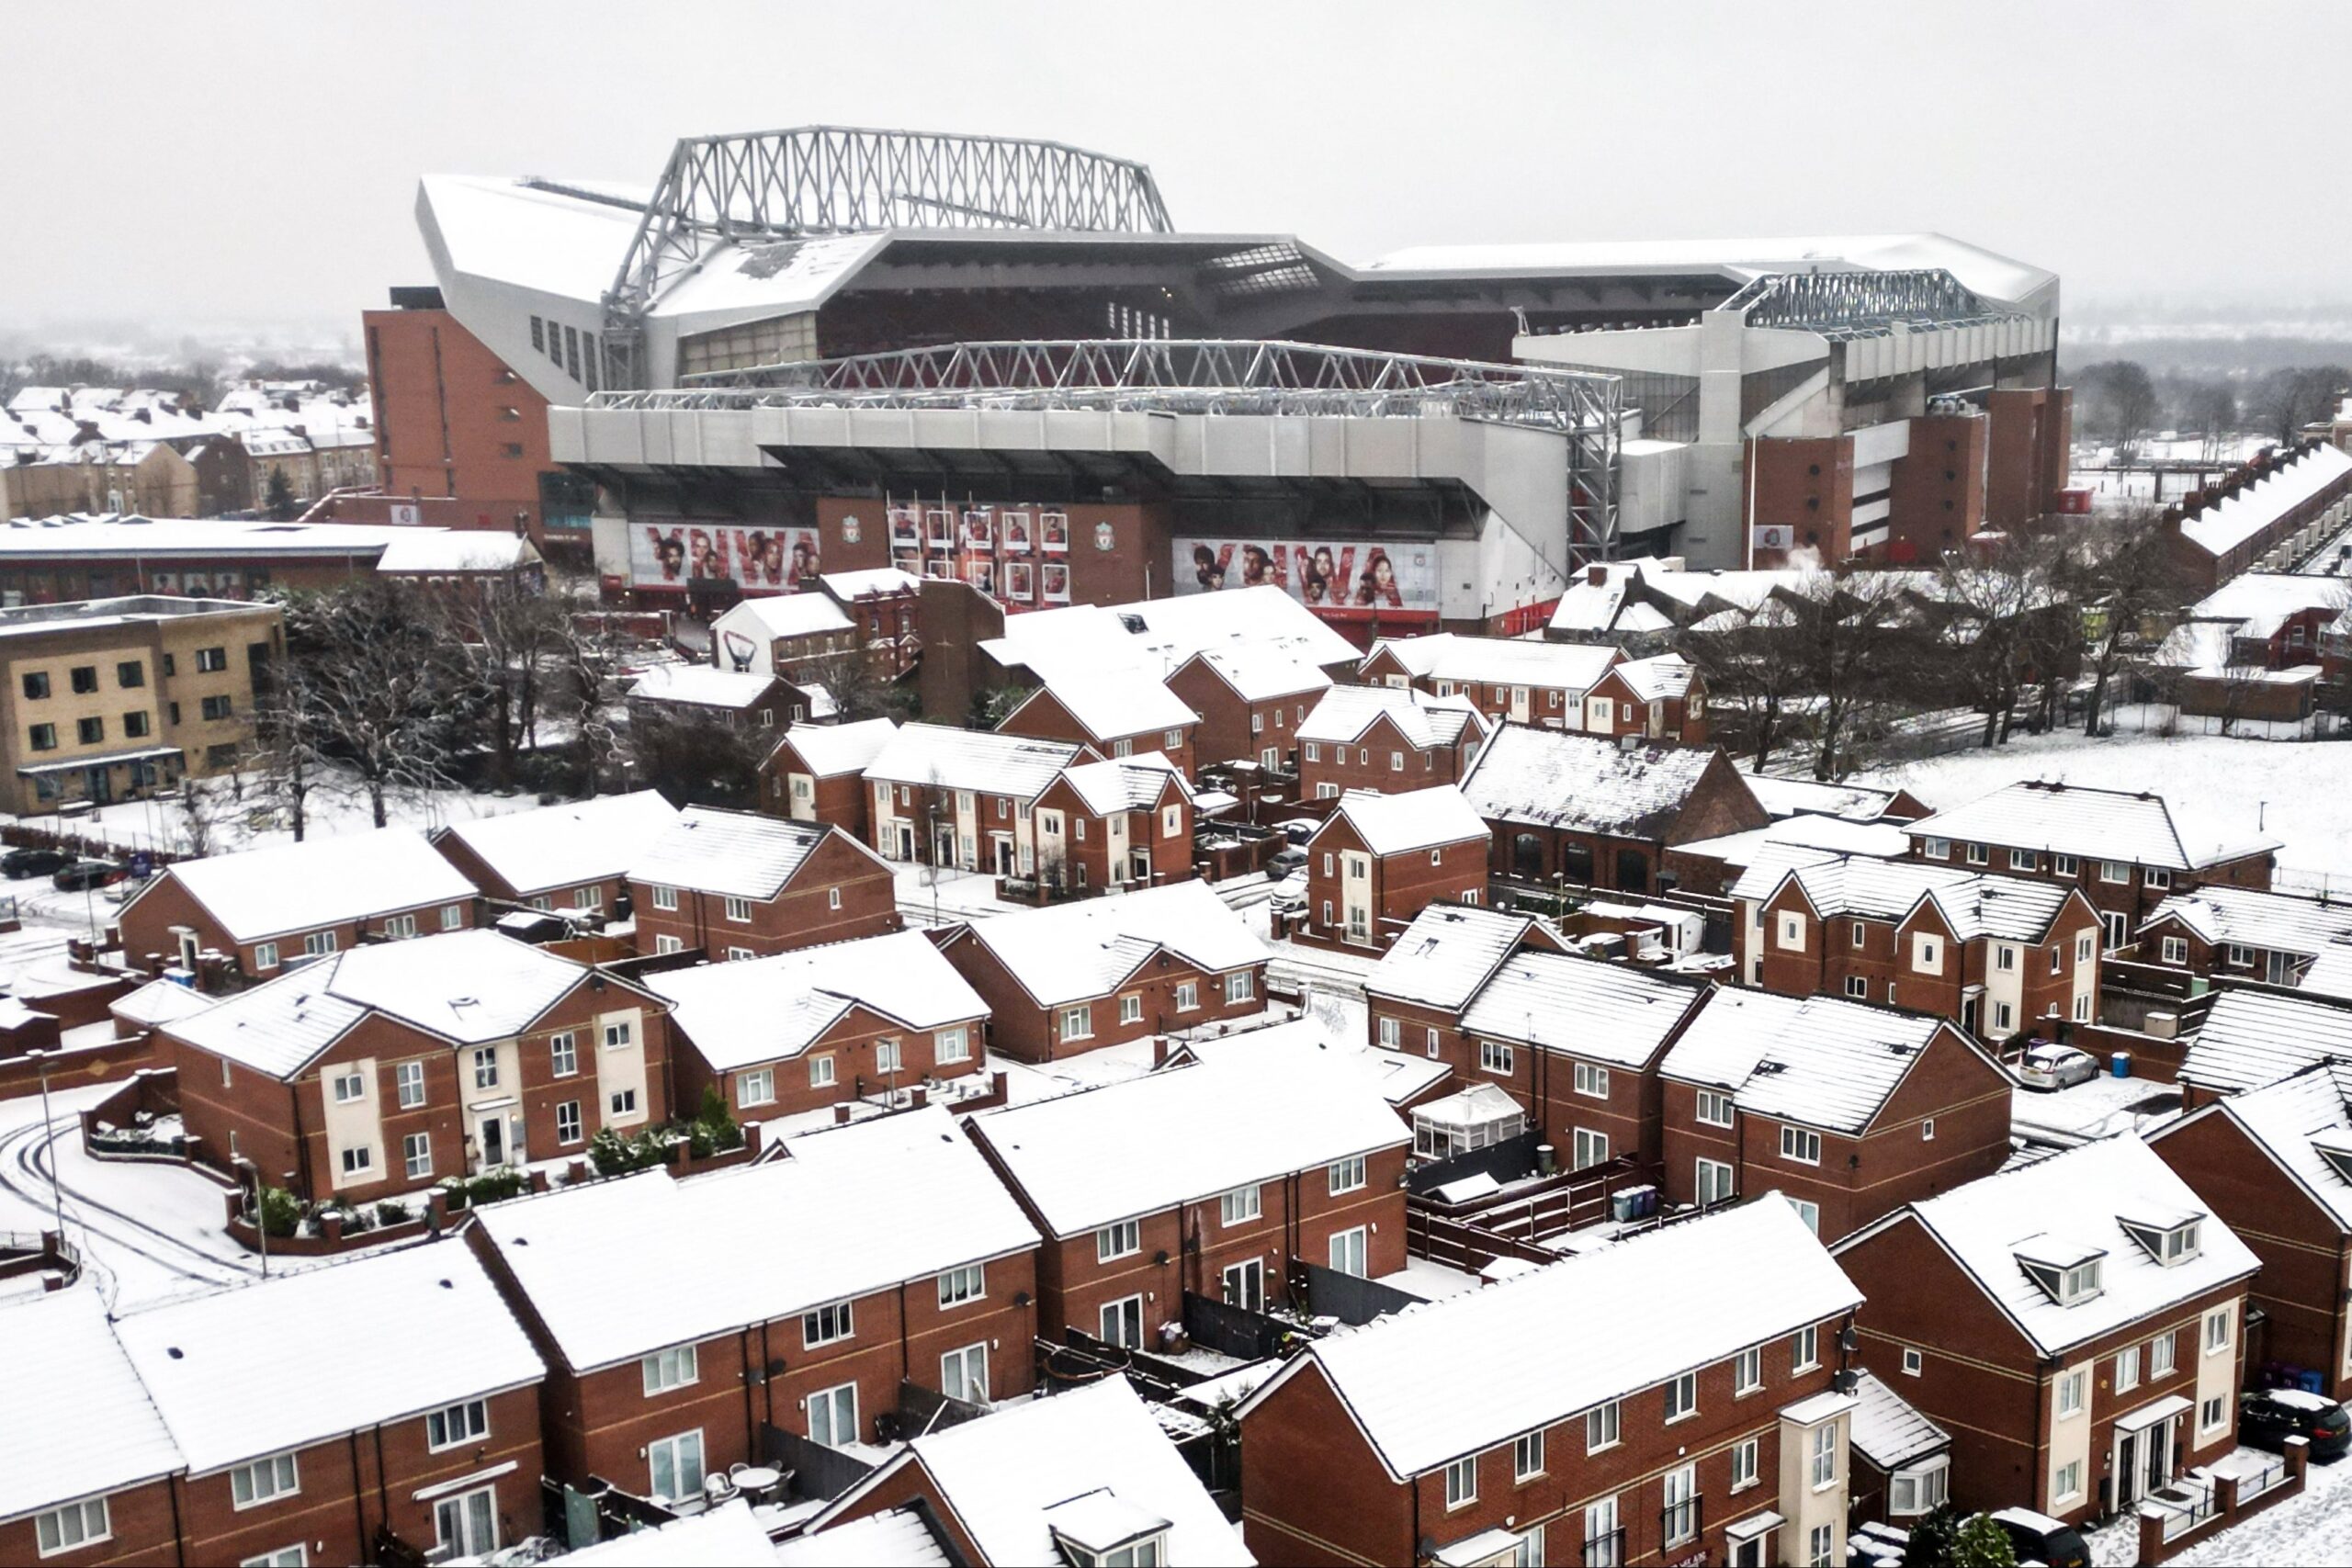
x: 182, y: 163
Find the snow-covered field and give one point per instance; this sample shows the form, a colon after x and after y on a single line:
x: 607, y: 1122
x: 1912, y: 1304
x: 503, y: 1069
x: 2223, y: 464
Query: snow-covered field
x: 2295, y: 792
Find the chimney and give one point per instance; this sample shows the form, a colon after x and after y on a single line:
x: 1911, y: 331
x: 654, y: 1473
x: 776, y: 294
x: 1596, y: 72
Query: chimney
x: 1597, y: 574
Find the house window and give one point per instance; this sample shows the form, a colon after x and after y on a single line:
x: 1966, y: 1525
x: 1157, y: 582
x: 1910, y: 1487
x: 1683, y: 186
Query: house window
x: 1314, y: 752
x: 738, y: 910
x: 1239, y: 1206
x: 1527, y: 1457
x: 1824, y: 1455
x: 408, y: 1084
x: 215, y: 707
x: 2024, y: 860
x: 358, y: 1161
x: 1744, y: 1465
x: 756, y: 1087
x: 963, y: 1375
x: 1937, y: 849
x: 563, y: 1054
x: 1912, y: 1362
x: 2176, y: 950
x: 821, y: 1071
x: 85, y: 677
x: 454, y: 915
x: 2066, y: 1482
x: 2004, y: 1015
x: 620, y: 1103
x: 2070, y: 1393
x: 43, y: 736
x: 1592, y: 1080
x: 1804, y: 1349
x: 1462, y: 1482
x: 567, y: 1121
x: 664, y: 944
x: 1979, y: 856
x: 2115, y: 871
x: 1927, y: 953
x: 1494, y: 1056
x: 485, y: 1066
x: 36, y: 685
x: 1821, y: 1546
x: 400, y: 926
x: 1858, y: 987
x: 2065, y: 865
x: 1792, y: 930
x: 90, y: 731
x: 1747, y: 1371
x: 1131, y: 1008
x: 349, y: 1087
x: 1604, y: 1540
x: 1429, y: 1042
x: 2240, y: 957
x: 1810, y: 1214
x: 950, y: 1045
x: 1188, y: 995
x: 1715, y: 1185
x: 458, y: 1424
x: 620, y: 1033
x: 1347, y: 1175
x: 2153, y: 877
x: 265, y: 955
x: 664, y: 897
x: 2213, y: 1414
x: 1860, y: 934
x: 416, y: 1156
x: 1801, y: 1144
x: 2217, y: 1331
x: 1682, y: 1397
x: 1078, y: 1023
x: 1679, y: 1521
x: 826, y: 1326
x: 2005, y: 957
x: 969, y: 1284
x: 1347, y: 1252
x: 1240, y: 986
x: 2082, y: 948
x: 2127, y: 1367
x: 259, y: 1482
x: 76, y: 1524
x: 673, y: 1465
x: 2161, y: 1360
x: 740, y: 955
x: 1123, y: 1239
x: 1171, y: 821
x: 1121, y: 1322
x: 1714, y: 1108
x: 1392, y: 1033
x: 1590, y: 1148
x: 1920, y: 1490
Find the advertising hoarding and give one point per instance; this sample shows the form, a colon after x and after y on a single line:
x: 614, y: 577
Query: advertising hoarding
x: 1340, y: 580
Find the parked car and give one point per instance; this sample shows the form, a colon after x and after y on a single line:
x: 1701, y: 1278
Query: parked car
x: 84, y: 874
x: 1299, y: 830
x: 2268, y: 1417
x: 2044, y: 1065
x: 2038, y: 1537
x: 1283, y: 864
x: 123, y: 892
x: 1290, y: 894
x: 33, y: 862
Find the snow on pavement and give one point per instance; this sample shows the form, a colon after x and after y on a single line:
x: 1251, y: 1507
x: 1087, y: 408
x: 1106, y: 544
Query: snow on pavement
x: 2313, y: 1528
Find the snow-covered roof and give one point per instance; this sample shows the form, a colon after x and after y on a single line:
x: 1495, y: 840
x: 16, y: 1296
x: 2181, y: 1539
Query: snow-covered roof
x: 2265, y: 498
x: 851, y: 1210
x: 1259, y: 671
x: 2259, y: 603
x: 1582, y: 1007
x: 702, y: 685
x: 1156, y: 636
x: 765, y: 1010
x: 1660, y: 677
x: 832, y: 750
x: 897, y: 1538
x: 2071, y: 1206
x: 1397, y: 1076
x: 1417, y: 819
x: 1126, y: 783
x: 556, y: 848
x: 1344, y: 712
x: 209, y: 538
x: 728, y: 1536
x: 1070, y: 1465
x: 1824, y: 1061
x: 1500, y: 662
x: 2275, y: 922
x: 2076, y: 819
x: 1582, y: 783
x: 260, y: 893
x: 1788, y: 797
x: 159, y: 1002
x: 1446, y: 954
x: 854, y: 585
x: 1477, y: 1370
x: 76, y: 1422
x: 2251, y: 1038
x: 1801, y: 840
x: 2330, y: 975
x: 469, y: 988
x: 1070, y: 953
x: 2291, y: 1120
x: 773, y: 616
x: 417, y: 550
x: 1109, y: 703
x: 743, y: 854
x: 977, y: 760
x: 1972, y: 904
x: 267, y: 1367
x: 1085, y: 1159
x: 1888, y: 1430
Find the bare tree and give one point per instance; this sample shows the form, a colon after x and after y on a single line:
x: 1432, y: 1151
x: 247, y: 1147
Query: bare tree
x: 289, y: 755
x: 1745, y: 661
x: 391, y: 693
x: 510, y: 639
x: 2126, y: 575
x: 694, y: 759
x: 2001, y: 616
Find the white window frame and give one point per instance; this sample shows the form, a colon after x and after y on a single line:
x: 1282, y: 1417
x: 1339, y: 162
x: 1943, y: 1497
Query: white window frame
x: 967, y: 1283
x: 50, y: 1527
x: 563, y: 1053
x: 1681, y: 1398
x: 416, y: 1156
x: 465, y: 1422
x: 1804, y: 1349
x: 2127, y: 1368
x: 738, y: 910
x: 350, y: 1088
x: 1602, y: 1427
x: 569, y: 1111
x: 1747, y: 1371
x: 663, y: 897
x: 2219, y: 1334
x: 828, y: 1324
x: 1494, y: 1056
x: 1592, y: 1080
x: 282, y: 1475
x: 1462, y: 1482
x: 1241, y: 1205
x: 674, y: 1448
x: 950, y: 1045
x: 821, y: 1072
x: 1527, y: 1455
x: 1802, y: 1145
x: 1824, y: 1456
x: 1120, y: 1238
x: 2162, y: 1357
x: 1347, y: 1175
x: 1745, y: 1457
x: 755, y: 1086
x: 2072, y: 1389
x: 1718, y: 1102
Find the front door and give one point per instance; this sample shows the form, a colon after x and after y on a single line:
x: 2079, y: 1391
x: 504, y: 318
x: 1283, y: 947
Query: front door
x: 906, y: 841
x: 1749, y: 1553
x: 468, y: 1523
x: 1519, y: 710
x: 1971, y: 1005
x: 1002, y: 846
x: 1139, y: 865
x: 492, y: 1139
x: 101, y: 784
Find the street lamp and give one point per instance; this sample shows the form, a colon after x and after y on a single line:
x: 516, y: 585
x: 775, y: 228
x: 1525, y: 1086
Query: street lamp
x: 56, y: 1195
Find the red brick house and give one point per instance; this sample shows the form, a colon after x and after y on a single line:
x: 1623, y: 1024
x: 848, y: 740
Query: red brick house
x: 382, y: 1070
x: 1416, y: 995
x: 1117, y: 712
x: 819, y: 1026
x: 1386, y: 739
x: 961, y: 797
x: 2276, y: 1165
x: 1100, y: 972
x: 887, y: 604
x: 888, y: 1252
x: 1508, y: 679
x: 2240, y: 934
x: 1593, y: 812
x: 1998, y: 955
x: 752, y: 704
x: 793, y: 636
x: 1850, y: 1110
x: 817, y: 773
x: 93, y: 1473
x: 1307, y: 1162
x: 743, y: 885
x: 1658, y: 698
x: 2124, y: 850
x: 295, y: 1445
x: 2252, y: 1037
x: 1379, y: 860
x: 1087, y: 1476
x: 1251, y: 699
x: 1670, y: 1398
x: 264, y: 908
x: 1125, y: 823
x: 573, y: 856
x: 1850, y: 802
x: 2077, y: 1325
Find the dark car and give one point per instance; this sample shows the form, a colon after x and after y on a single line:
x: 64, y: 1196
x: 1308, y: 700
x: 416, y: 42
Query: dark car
x: 1283, y: 864
x: 84, y: 874
x: 2268, y: 1417
x: 33, y: 862
x: 2038, y: 1537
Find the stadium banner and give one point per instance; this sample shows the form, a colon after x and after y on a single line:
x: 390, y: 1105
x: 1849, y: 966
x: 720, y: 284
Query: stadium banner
x: 1340, y: 580
x: 682, y: 555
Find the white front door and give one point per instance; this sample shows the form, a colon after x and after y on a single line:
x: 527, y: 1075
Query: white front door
x: 964, y: 1374
x: 1519, y: 705
x: 468, y: 1523
x: 1245, y: 1285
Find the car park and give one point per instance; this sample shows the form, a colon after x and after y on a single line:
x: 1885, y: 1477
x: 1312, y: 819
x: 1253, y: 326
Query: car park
x: 2268, y: 1417
x: 2045, y: 1066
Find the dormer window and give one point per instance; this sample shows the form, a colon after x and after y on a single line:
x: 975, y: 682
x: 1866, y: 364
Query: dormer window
x: 2336, y: 1147
x: 2169, y: 1236
x: 1100, y: 1530
x: 2067, y: 1273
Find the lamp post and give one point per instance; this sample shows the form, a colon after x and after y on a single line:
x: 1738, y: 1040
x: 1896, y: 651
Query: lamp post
x: 56, y: 1194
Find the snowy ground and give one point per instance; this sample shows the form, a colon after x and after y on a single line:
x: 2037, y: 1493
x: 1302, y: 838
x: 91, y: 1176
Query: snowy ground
x: 2093, y: 1110
x: 2236, y: 788
x: 942, y: 898
x: 2313, y: 1528
x: 146, y: 1232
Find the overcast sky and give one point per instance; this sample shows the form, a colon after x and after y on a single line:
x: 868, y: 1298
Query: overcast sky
x: 185, y: 164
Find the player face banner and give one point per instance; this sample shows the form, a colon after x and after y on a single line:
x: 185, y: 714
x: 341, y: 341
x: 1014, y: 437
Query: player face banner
x: 686, y: 555
x: 1339, y: 580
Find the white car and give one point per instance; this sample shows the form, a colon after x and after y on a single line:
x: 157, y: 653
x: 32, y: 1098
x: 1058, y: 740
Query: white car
x: 1290, y: 893
x: 2055, y: 1066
